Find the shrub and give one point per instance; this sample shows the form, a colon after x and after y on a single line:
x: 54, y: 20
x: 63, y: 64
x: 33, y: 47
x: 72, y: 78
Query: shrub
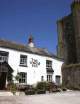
x: 30, y: 92
x: 12, y: 88
x: 39, y: 91
x: 41, y: 86
x: 51, y: 87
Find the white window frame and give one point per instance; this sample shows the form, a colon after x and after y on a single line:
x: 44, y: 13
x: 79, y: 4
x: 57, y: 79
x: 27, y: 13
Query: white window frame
x: 3, y: 58
x: 48, y: 64
x: 49, y: 77
x: 22, y: 78
x: 42, y: 78
x: 23, y: 60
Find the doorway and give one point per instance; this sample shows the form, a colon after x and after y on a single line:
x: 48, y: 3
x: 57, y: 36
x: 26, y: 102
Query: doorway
x: 2, y: 80
x: 58, y: 79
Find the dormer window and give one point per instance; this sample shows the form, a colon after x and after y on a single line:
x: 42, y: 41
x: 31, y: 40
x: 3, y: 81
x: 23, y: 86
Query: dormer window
x: 23, y: 60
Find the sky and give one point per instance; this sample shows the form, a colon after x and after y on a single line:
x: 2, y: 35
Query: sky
x: 20, y: 18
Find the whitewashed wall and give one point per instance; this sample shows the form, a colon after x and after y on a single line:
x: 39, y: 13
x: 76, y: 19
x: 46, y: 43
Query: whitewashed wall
x: 57, y: 69
x: 33, y: 73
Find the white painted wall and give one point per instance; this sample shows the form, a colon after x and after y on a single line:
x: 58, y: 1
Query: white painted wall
x: 57, y: 69
x: 33, y: 73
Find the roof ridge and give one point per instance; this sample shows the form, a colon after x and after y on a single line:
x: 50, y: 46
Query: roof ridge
x: 26, y: 48
x: 12, y: 42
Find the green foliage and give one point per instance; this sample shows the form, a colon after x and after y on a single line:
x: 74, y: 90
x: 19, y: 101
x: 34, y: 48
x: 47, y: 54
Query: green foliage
x: 41, y: 91
x: 12, y: 87
x: 17, y: 77
x: 41, y: 88
x: 51, y: 87
x: 30, y: 91
x: 41, y: 85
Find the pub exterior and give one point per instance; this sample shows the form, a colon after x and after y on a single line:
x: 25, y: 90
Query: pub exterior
x: 32, y: 64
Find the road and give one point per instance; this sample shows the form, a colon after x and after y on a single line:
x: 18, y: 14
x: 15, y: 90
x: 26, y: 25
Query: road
x: 72, y: 97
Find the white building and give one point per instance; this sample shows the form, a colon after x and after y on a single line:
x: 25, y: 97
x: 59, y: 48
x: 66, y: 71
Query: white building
x: 33, y: 64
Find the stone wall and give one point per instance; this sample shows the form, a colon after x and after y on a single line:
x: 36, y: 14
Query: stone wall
x: 71, y: 76
x: 69, y: 34
x: 76, y: 23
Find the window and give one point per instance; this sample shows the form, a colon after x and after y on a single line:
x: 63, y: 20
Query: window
x: 3, y: 56
x: 42, y: 78
x: 49, y: 78
x: 23, y: 60
x: 48, y: 64
x: 22, y: 77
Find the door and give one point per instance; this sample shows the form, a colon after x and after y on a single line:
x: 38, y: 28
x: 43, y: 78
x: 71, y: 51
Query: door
x: 57, y: 79
x: 2, y: 80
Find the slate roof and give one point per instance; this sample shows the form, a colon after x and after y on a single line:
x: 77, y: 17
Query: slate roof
x: 25, y: 48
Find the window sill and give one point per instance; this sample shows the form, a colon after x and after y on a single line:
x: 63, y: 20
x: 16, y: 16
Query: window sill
x: 23, y: 65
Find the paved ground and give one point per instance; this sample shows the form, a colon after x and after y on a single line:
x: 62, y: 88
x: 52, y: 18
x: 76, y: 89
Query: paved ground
x: 58, y: 98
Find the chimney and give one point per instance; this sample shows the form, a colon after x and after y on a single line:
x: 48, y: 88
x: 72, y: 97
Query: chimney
x: 30, y: 41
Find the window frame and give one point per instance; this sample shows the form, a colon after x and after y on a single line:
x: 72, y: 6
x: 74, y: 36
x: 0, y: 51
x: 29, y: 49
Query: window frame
x: 23, y: 60
x: 49, y: 77
x: 42, y: 78
x: 4, y: 56
x: 48, y: 64
x: 22, y: 78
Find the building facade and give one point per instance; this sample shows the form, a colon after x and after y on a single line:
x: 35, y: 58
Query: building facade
x: 30, y: 63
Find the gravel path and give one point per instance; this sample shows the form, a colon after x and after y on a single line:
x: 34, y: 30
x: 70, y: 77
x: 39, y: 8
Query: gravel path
x: 58, y: 98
